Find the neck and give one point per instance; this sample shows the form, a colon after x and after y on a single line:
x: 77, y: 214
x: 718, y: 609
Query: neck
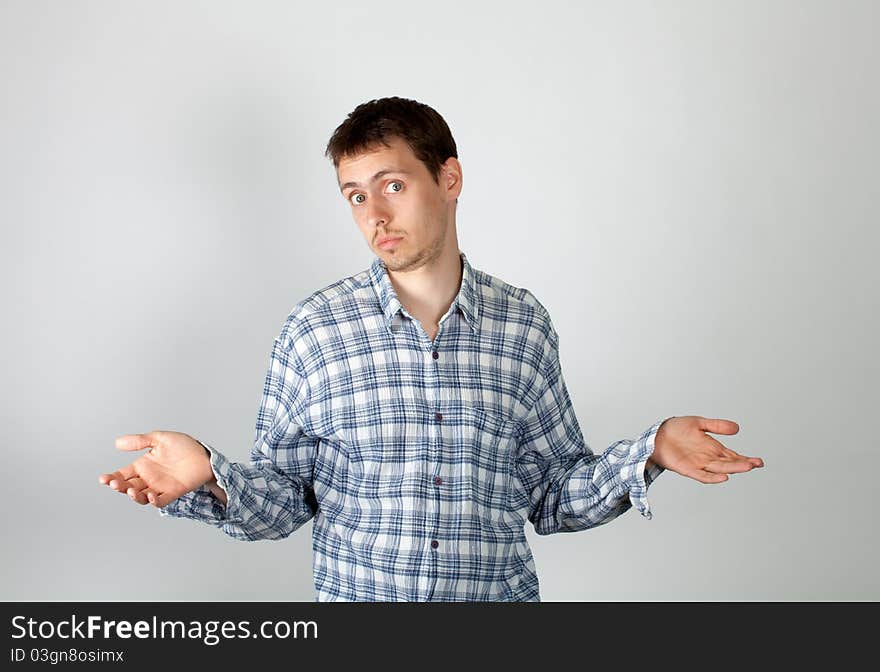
x: 427, y: 292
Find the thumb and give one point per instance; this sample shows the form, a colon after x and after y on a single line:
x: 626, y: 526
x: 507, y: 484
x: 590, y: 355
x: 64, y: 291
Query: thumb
x: 135, y: 442
x: 718, y: 426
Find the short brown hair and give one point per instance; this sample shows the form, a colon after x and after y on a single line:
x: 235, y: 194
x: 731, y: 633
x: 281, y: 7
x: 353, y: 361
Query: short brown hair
x: 377, y: 121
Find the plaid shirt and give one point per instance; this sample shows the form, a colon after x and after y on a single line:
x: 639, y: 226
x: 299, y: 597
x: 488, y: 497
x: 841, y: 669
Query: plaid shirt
x: 420, y: 462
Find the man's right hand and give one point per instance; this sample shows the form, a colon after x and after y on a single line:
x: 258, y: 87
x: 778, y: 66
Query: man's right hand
x: 175, y: 464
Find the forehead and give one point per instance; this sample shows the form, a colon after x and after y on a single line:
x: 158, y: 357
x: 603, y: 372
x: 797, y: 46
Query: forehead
x: 358, y: 166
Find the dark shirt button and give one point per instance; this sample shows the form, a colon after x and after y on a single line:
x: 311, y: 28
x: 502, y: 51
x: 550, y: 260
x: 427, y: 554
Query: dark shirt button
x: 434, y: 354
x: 434, y: 543
x: 438, y: 480
x: 438, y: 416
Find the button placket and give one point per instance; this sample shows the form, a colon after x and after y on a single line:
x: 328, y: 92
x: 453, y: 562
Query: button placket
x: 433, y: 509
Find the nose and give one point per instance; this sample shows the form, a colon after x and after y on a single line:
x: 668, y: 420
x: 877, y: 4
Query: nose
x: 377, y: 213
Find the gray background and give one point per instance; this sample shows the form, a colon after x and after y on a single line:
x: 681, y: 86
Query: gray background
x: 689, y: 187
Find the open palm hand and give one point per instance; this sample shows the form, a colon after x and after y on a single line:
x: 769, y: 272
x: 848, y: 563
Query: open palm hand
x: 174, y: 464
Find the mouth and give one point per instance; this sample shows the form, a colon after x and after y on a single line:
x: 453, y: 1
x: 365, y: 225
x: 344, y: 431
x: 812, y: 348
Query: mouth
x: 388, y: 243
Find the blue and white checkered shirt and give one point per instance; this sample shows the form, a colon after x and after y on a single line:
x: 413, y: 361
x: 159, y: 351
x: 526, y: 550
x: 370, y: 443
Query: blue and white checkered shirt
x: 420, y: 461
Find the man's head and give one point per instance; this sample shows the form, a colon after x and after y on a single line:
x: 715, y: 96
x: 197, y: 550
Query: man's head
x: 416, y: 199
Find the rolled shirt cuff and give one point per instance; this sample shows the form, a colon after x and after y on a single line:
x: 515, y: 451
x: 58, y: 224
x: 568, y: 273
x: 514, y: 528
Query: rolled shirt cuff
x: 634, y: 473
x: 201, y: 504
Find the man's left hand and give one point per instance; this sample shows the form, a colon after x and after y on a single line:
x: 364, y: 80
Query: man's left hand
x: 682, y: 445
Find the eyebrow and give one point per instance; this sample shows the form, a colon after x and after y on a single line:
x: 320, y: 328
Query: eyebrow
x: 375, y: 177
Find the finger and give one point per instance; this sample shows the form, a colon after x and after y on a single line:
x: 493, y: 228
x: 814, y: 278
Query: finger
x: 726, y: 453
x: 718, y: 426
x: 728, y: 466
x: 135, y: 490
x: 106, y: 478
x: 157, y: 499
x: 135, y: 442
x: 120, y: 485
x: 138, y: 496
x: 757, y: 461
x: 135, y: 483
x: 732, y: 454
x: 707, y: 477
x: 117, y: 479
x: 754, y: 461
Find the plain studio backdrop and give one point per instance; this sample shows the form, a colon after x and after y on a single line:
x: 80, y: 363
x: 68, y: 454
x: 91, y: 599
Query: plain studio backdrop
x: 690, y: 188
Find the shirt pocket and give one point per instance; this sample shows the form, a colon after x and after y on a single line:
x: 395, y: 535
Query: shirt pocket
x: 482, y: 458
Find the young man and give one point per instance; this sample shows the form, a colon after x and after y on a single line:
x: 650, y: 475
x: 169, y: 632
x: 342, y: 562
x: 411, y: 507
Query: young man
x: 416, y: 411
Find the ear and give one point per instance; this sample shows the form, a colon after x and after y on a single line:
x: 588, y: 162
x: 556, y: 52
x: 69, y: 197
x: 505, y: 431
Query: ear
x: 451, y: 178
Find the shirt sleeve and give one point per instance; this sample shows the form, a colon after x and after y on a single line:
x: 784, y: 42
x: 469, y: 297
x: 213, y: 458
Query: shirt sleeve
x: 569, y: 487
x: 271, y: 496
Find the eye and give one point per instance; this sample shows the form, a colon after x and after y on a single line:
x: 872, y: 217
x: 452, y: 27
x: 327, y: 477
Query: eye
x: 353, y: 198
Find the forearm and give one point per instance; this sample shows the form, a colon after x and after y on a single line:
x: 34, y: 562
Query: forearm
x: 598, y: 488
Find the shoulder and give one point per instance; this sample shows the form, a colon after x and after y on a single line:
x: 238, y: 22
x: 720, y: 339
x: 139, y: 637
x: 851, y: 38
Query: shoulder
x: 326, y: 307
x: 506, y: 302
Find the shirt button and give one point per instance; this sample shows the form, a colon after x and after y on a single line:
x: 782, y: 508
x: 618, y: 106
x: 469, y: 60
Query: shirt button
x: 434, y: 354
x: 438, y: 480
x: 434, y: 543
x: 438, y: 417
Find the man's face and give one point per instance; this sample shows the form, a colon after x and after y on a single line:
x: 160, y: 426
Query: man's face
x: 392, y: 194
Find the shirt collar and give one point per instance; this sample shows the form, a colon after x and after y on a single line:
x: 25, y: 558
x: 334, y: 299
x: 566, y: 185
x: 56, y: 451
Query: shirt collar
x: 467, y: 299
